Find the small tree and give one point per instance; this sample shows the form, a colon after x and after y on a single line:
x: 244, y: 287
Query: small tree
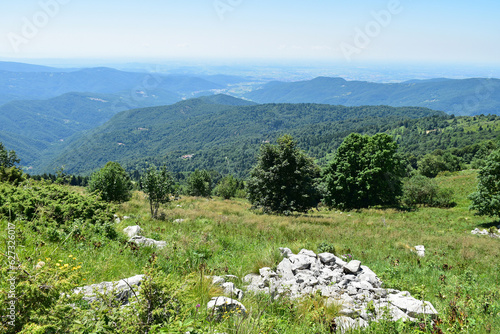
x: 365, y: 171
x: 199, y: 183
x: 227, y: 187
x: 112, y: 183
x: 486, y: 200
x: 421, y: 190
x: 158, y: 185
x: 284, y: 179
x: 7, y: 158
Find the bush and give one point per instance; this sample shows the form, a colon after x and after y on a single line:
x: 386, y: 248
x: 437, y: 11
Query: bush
x: 421, y: 190
x: 284, y: 179
x: 227, y: 187
x: 199, y: 184
x: 112, y: 183
x: 486, y: 200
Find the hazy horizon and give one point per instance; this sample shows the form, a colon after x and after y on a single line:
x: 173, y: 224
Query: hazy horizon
x: 222, y: 30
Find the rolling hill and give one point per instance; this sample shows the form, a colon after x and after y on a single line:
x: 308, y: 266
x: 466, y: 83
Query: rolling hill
x: 211, y: 135
x: 459, y: 97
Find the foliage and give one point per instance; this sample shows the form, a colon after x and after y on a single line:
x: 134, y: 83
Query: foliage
x: 421, y: 190
x: 12, y: 175
x: 199, y: 183
x: 42, y: 302
x: 7, y: 158
x: 486, y: 199
x: 432, y: 164
x: 158, y: 185
x: 227, y: 187
x: 112, y: 183
x: 365, y: 171
x: 284, y: 179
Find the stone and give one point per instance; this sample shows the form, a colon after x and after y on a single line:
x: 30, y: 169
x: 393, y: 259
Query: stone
x: 285, y: 252
x: 218, y: 306
x: 370, y: 277
x: 352, y: 267
x: 143, y: 241
x: 300, y: 262
x: 413, y: 307
x: 326, y: 257
x: 217, y: 280
x: 179, y: 220
x: 266, y: 272
x: 132, y: 231
x: 346, y: 324
x: 284, y: 269
x: 306, y: 252
x: 231, y: 290
x: 420, y: 250
x: 386, y: 311
x: 120, y: 289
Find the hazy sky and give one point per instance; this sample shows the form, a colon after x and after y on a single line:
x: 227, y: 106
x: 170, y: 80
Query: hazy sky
x: 337, y: 30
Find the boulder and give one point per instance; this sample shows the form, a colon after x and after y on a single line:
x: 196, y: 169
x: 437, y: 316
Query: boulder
x: 346, y: 324
x: 413, y: 307
x: 327, y: 258
x: 218, y: 306
x: 307, y: 252
x: 143, y: 241
x: 122, y: 289
x: 133, y: 231
x: 420, y: 250
x: 284, y: 269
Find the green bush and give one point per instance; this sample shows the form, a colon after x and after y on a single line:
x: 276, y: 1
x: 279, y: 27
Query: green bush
x: 421, y: 190
x: 112, y: 183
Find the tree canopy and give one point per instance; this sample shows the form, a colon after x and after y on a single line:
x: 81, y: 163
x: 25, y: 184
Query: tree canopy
x: 365, y: 171
x: 284, y: 179
x: 486, y: 200
x: 112, y: 183
x: 7, y: 158
x: 158, y: 185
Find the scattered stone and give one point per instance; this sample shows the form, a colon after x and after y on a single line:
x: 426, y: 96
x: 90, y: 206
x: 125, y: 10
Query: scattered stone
x: 285, y: 252
x: 179, y: 220
x: 420, y: 249
x: 485, y: 232
x: 219, y: 306
x: 143, y: 241
x: 133, y: 231
x: 117, y: 219
x: 120, y: 289
x: 231, y: 290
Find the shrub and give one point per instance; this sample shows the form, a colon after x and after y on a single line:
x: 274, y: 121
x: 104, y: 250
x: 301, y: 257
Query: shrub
x: 199, y: 184
x: 486, y: 200
x: 421, y: 190
x: 112, y: 183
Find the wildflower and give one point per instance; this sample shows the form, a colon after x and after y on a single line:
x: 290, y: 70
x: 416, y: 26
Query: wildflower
x: 58, y: 264
x: 70, y: 255
x: 65, y: 265
x: 198, y: 305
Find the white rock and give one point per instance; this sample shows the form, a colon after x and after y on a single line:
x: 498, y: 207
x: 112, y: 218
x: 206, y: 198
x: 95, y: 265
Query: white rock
x: 420, y: 249
x: 284, y: 269
x: 142, y: 241
x: 221, y: 305
x: 413, y: 307
x: 352, y: 267
x: 179, y: 220
x: 327, y: 257
x: 346, y: 324
x: 285, y: 252
x: 231, y: 290
x: 307, y: 252
x: 132, y: 231
x: 120, y: 289
x: 300, y: 262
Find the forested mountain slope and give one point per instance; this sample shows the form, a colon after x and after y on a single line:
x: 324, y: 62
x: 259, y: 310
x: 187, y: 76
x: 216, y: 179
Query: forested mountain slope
x: 459, y: 97
x: 215, y: 135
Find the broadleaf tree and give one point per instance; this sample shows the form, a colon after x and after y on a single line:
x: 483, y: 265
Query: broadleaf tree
x: 365, y: 171
x: 8, y: 159
x: 158, y: 185
x: 284, y: 179
x: 486, y: 200
x: 112, y: 182
x: 199, y: 183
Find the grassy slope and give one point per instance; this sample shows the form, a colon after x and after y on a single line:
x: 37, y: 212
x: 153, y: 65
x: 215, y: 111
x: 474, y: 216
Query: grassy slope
x: 459, y: 274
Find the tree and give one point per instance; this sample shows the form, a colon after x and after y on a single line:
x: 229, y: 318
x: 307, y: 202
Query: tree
x: 421, y: 190
x: 199, y: 183
x: 365, y: 171
x: 486, y: 200
x: 112, y: 183
x: 227, y: 187
x: 7, y: 158
x: 284, y: 179
x: 158, y: 185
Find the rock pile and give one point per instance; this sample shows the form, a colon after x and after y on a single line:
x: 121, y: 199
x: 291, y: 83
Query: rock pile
x: 354, y: 287
x: 486, y: 232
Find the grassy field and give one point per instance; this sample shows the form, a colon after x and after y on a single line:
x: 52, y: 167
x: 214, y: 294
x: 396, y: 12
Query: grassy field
x: 460, y: 274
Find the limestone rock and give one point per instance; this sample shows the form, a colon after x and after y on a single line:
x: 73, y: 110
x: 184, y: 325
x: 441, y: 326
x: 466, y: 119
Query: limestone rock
x: 143, y: 241
x: 413, y: 307
x: 133, y: 231
x: 420, y: 250
x: 120, y: 289
x: 285, y: 252
x: 220, y: 305
x: 346, y: 324
x: 352, y: 267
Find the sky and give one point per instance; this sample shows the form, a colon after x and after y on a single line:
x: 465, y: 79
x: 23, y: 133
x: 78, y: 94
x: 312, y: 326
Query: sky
x: 358, y: 31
